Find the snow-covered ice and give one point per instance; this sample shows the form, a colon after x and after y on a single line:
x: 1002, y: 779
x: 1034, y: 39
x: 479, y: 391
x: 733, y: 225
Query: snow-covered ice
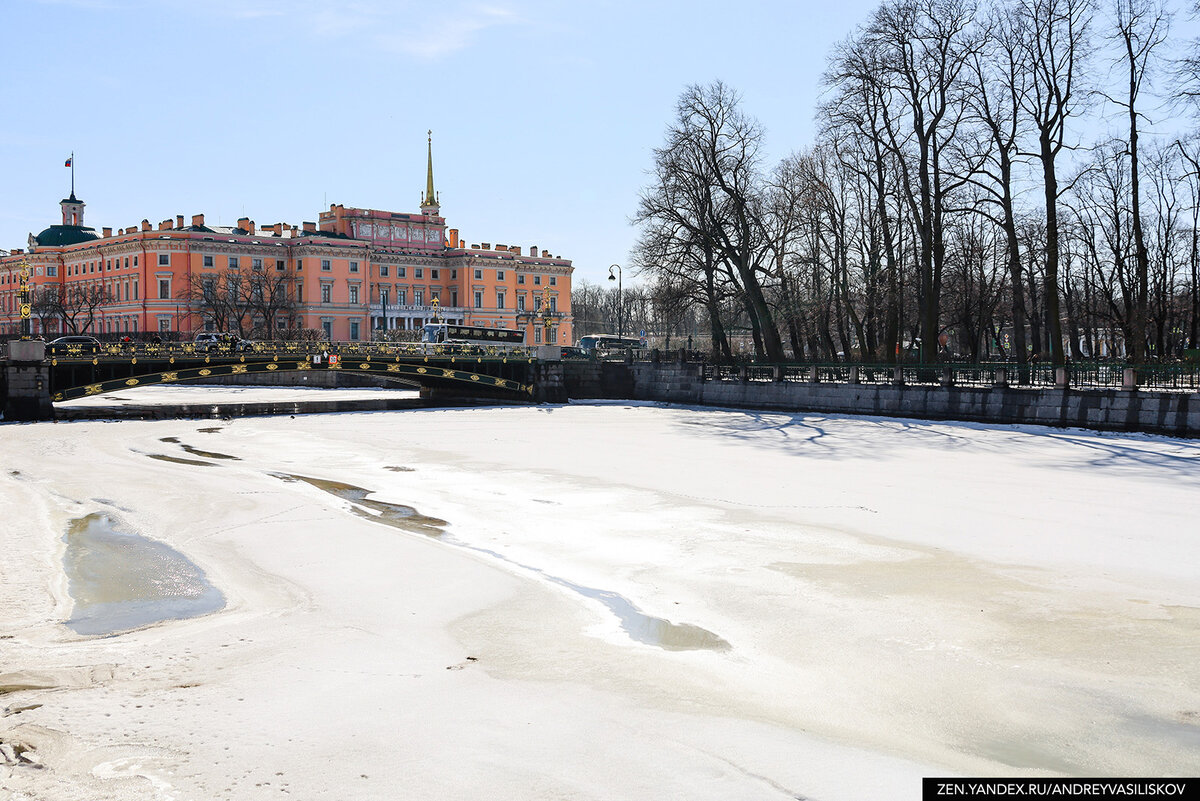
x: 886, y: 600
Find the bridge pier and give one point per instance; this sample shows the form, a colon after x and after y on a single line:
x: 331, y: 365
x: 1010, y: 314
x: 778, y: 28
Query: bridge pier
x: 27, y: 381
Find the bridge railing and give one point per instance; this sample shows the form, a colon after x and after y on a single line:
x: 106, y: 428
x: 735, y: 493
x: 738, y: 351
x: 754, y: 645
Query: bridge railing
x: 1175, y: 377
x: 266, y: 350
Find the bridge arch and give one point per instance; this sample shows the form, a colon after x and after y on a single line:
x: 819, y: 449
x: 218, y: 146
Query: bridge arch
x: 425, y: 375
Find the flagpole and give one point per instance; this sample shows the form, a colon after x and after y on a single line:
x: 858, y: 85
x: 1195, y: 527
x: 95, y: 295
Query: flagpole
x: 72, y: 173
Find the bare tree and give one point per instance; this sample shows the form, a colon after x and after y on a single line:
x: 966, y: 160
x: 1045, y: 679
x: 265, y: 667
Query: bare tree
x: 1141, y: 27
x: 76, y: 305
x: 249, y: 305
x: 1054, y: 41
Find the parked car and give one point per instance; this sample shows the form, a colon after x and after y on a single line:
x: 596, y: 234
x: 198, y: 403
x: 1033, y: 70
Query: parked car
x: 574, y: 353
x: 73, y: 344
x: 210, y: 341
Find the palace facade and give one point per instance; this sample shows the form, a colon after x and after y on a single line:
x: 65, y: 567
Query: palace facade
x: 354, y: 274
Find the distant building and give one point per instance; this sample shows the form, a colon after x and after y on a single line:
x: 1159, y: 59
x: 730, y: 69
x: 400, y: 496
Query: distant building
x: 356, y: 274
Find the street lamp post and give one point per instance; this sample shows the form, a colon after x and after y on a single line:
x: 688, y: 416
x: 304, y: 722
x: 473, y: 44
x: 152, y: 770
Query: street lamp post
x: 620, y: 298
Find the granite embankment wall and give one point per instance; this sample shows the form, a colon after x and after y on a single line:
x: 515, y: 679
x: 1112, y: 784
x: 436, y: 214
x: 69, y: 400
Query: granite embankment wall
x: 1174, y: 414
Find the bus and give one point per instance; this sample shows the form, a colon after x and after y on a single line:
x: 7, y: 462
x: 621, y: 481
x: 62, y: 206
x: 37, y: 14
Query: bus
x: 598, y: 344
x: 438, y: 333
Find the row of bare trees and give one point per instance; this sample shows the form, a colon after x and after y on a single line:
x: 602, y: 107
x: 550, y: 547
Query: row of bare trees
x: 258, y: 304
x: 950, y: 202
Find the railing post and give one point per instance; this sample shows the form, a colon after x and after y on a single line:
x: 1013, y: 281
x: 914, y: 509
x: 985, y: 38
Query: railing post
x: 1062, y: 378
x: 898, y: 376
x: 778, y: 374
x: 814, y: 377
x: 1001, y: 381
x: 743, y: 373
x: 1129, y: 379
x: 854, y: 378
x: 947, y: 379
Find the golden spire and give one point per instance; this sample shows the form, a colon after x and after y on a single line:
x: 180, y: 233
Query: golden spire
x: 430, y: 198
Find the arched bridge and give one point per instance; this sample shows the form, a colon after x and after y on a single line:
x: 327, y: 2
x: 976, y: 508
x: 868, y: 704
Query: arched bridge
x: 75, y: 371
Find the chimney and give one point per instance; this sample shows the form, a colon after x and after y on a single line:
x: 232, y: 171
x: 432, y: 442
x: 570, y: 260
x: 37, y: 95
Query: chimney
x: 310, y: 227
x: 146, y: 225
x: 120, y: 232
x: 501, y: 247
x: 251, y: 228
x: 533, y: 250
x: 277, y: 229
x: 197, y: 220
x: 453, y: 237
x: 178, y: 220
x: 107, y: 232
x: 485, y: 245
x: 546, y: 254
x: 243, y: 223
x: 165, y: 225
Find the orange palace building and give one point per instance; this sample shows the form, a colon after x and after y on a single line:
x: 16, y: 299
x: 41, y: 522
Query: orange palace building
x: 354, y: 274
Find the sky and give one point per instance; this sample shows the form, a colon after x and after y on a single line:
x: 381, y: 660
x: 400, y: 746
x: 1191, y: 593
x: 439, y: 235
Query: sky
x: 544, y: 114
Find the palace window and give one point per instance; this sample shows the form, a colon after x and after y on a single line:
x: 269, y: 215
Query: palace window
x: 418, y: 272
x: 520, y: 278
x: 433, y: 275
x: 453, y: 297
x: 520, y: 303
x: 418, y: 297
x: 256, y: 264
x: 326, y: 293
x: 499, y: 275
x: 537, y: 280
x: 327, y: 327
x: 354, y: 293
x: 554, y: 304
x: 499, y: 300
x: 164, y: 288
x: 383, y: 270
x: 208, y: 261
x: 383, y: 295
x: 280, y: 265
x: 233, y: 262
x: 537, y: 334
x: 353, y: 266
x: 553, y: 280
x: 479, y: 275
x: 479, y: 300
x: 325, y: 266
x: 164, y: 260
x: 354, y: 330
x: 401, y: 297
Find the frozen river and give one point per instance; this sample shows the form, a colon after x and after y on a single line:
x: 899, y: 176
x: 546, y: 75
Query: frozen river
x: 601, y: 601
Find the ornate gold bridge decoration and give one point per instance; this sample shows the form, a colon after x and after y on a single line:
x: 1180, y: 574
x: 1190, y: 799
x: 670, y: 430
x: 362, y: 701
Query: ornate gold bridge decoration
x: 386, y: 369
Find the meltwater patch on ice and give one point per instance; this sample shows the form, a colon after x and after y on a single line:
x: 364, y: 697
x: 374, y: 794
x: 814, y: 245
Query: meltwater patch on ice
x: 121, y: 580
